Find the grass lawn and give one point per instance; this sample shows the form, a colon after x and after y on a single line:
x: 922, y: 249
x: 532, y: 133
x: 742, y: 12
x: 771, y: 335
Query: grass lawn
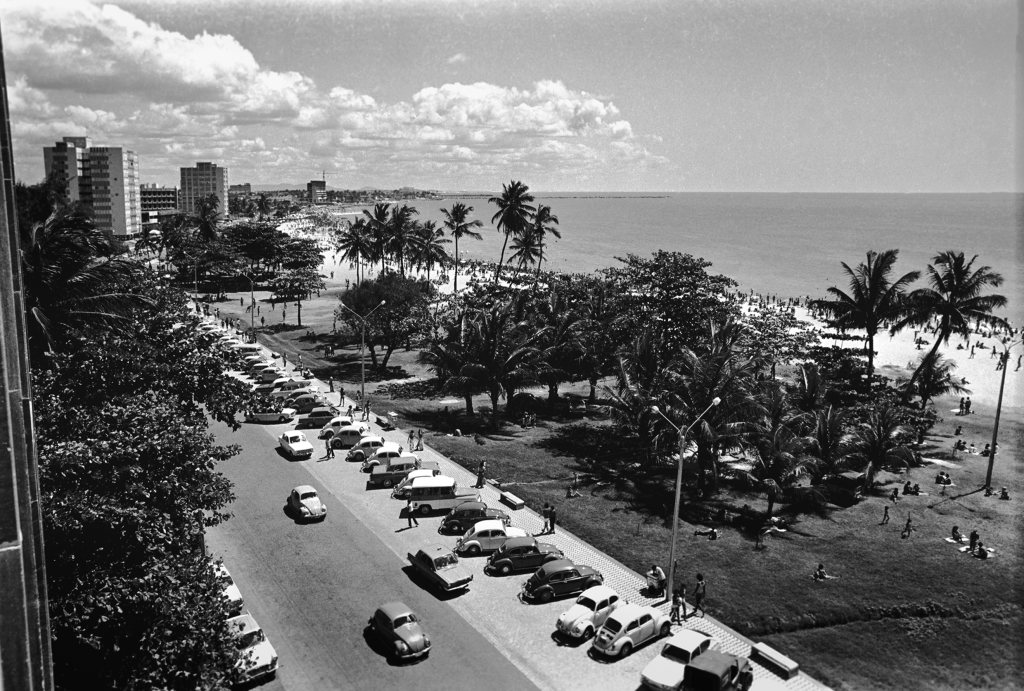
x: 906, y: 613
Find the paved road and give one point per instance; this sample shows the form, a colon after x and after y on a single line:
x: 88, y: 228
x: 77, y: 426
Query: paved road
x: 312, y: 587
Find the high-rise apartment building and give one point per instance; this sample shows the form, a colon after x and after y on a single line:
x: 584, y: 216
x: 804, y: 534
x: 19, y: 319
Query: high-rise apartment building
x: 202, y: 181
x: 159, y: 198
x: 317, y: 190
x: 105, y: 179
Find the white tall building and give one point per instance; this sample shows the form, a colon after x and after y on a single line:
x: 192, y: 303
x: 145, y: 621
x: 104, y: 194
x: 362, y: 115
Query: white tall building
x: 202, y: 181
x: 105, y: 179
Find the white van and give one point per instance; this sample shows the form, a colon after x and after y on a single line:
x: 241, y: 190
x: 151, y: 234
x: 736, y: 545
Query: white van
x: 249, y: 349
x: 438, y: 493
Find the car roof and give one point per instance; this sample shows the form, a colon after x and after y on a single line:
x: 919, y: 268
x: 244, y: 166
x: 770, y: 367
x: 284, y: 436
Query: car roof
x: 630, y: 611
x: 370, y: 438
x: 712, y: 661
x: 321, y: 409
x: 434, y: 551
x: 302, y: 489
x: 687, y: 639
x: 489, y: 524
x: 395, y: 609
x: 293, y: 435
x: 243, y: 624
x: 599, y: 592
x: 553, y: 566
x: 435, y: 481
x: 471, y: 506
x: 518, y: 542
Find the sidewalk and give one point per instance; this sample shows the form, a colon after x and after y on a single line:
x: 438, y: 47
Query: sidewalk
x: 623, y: 580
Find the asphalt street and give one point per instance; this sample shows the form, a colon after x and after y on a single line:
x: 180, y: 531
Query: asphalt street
x: 312, y: 587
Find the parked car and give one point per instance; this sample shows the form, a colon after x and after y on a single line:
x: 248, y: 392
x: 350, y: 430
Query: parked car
x: 399, y: 628
x: 340, y: 422
x: 629, y: 627
x: 293, y: 384
x: 588, y: 614
x: 382, y: 456
x: 318, y: 417
x: 401, y: 490
x: 469, y: 513
x: 258, y: 659
x: 288, y: 395
x: 398, y: 468
x: 441, y: 567
x: 716, y: 671
x: 486, y: 536
x: 665, y: 672
x: 260, y: 366
x: 347, y: 437
x: 271, y: 415
x: 305, y: 403
x: 575, y: 405
x: 231, y: 592
x: 304, y: 502
x: 270, y: 374
x: 294, y: 444
x: 438, y: 493
x: 267, y: 387
x: 521, y: 553
x: 366, y: 446
x: 560, y: 578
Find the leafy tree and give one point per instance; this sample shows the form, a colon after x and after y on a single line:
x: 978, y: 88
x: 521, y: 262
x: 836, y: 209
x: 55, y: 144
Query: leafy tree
x: 258, y: 243
x: 543, y: 224
x: 525, y: 249
x: 513, y: 216
x: 640, y: 386
x: 881, y: 441
x: 298, y: 285
x: 263, y: 205
x: 402, y: 317
x: 829, y: 443
x: 378, y: 224
x: 456, y: 220
x: 561, y: 350
x: 301, y: 253
x: 935, y: 379
x: 778, y: 335
x: 206, y: 217
x: 873, y: 300
x: 400, y: 233
x: 37, y: 202
x: 354, y: 245
x: 427, y: 246
x: 955, y: 297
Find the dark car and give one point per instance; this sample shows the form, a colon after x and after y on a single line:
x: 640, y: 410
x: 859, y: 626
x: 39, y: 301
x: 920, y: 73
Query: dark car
x: 716, y: 671
x: 318, y: 417
x: 399, y: 628
x: 305, y: 403
x: 466, y: 515
x: 559, y: 578
x: 521, y: 553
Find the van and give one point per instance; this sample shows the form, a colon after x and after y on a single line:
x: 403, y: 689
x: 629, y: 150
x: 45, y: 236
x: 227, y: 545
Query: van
x: 248, y: 349
x: 439, y: 493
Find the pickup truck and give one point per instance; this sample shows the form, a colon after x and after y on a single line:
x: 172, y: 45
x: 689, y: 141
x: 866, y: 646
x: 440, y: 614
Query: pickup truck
x: 441, y: 567
x: 396, y: 468
x: 715, y: 671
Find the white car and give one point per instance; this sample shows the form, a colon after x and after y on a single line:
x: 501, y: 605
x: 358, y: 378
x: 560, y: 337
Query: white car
x: 283, y: 415
x: 366, y: 446
x: 402, y: 490
x: 665, y: 672
x: 381, y: 455
x: 258, y: 659
x: 304, y: 502
x: 486, y: 536
x: 231, y: 592
x: 294, y: 444
x: 629, y: 627
x: 588, y: 614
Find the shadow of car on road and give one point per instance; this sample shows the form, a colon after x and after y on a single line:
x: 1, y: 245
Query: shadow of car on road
x: 421, y: 581
x: 378, y: 646
x: 564, y: 641
x: 299, y: 520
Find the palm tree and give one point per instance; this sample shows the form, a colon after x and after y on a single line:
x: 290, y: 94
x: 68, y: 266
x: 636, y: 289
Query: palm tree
x: 955, y: 297
x: 378, y: 223
x: 561, y: 353
x: 640, y: 386
x: 427, y: 246
x: 354, y: 244
x: 71, y: 279
x: 263, y: 206
x: 513, y: 216
x: 779, y: 458
x: 936, y: 379
x: 525, y: 248
x: 455, y: 220
x: 873, y: 300
x: 880, y: 442
x: 543, y: 223
x: 400, y: 232
x: 829, y: 443
x: 206, y: 217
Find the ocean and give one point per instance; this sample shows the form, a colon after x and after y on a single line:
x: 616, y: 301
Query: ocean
x: 783, y: 244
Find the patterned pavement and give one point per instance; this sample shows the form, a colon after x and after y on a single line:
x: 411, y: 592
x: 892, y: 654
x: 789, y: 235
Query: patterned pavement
x: 623, y: 580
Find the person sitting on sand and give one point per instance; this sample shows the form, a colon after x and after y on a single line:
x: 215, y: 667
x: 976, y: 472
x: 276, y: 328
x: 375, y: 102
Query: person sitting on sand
x: 972, y: 449
x: 981, y: 552
x: 989, y: 491
x: 1003, y: 494
x: 571, y: 492
x: 821, y: 575
x: 959, y: 430
x: 940, y: 478
x: 907, y: 489
x: 957, y: 535
x: 712, y: 533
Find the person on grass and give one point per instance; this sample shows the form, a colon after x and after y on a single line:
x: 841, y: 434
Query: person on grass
x: 957, y: 535
x: 821, y: 575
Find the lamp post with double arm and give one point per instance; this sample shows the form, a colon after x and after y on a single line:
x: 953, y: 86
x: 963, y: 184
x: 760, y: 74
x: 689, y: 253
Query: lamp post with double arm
x: 362, y: 344
x: 679, y: 486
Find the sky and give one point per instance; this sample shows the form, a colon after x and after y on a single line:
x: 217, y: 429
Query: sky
x: 646, y: 95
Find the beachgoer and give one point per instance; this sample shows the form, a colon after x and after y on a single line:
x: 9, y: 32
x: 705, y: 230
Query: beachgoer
x: 700, y: 591
x: 410, y: 514
x: 981, y: 552
x: 552, y: 519
x: 327, y: 443
x: 678, y: 608
x: 712, y: 533
x: 1003, y: 494
x: 545, y: 513
x: 974, y: 539
x: 571, y: 492
x: 821, y: 575
x: 907, y: 488
x: 885, y: 516
x: 967, y: 403
x: 957, y: 535
x: 349, y: 412
x: 480, y: 475
x: 895, y: 496
x: 961, y: 411
x: 419, y: 439
x: 656, y: 578
x: 959, y: 430
x: 412, y: 440
x: 908, y: 528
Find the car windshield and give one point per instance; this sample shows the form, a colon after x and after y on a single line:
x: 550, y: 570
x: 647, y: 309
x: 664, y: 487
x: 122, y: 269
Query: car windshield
x: 249, y: 639
x: 677, y: 654
x: 405, y: 620
x: 308, y: 495
x: 613, y: 626
x: 585, y: 601
x: 445, y: 560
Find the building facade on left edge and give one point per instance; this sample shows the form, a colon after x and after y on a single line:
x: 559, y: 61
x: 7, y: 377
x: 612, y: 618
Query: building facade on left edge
x: 105, y: 179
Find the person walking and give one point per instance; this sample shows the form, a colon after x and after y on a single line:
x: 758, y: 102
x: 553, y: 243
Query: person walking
x: 885, y: 516
x: 546, y: 513
x: 961, y: 411
x: 263, y: 321
x: 412, y: 440
x: 480, y: 475
x: 241, y: 302
x: 410, y: 514
x: 678, y: 608
x: 700, y: 591
x: 349, y: 413
x: 330, y: 449
x: 552, y: 519
x: 908, y: 528
x: 967, y: 406
x: 419, y: 439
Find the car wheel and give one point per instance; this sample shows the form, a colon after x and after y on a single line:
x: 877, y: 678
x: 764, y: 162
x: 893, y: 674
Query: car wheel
x: 505, y: 569
x: 454, y: 527
x: 282, y: 418
x: 666, y: 630
x: 588, y: 633
x: 591, y: 583
x: 546, y: 595
x: 424, y: 509
x: 474, y: 550
x: 389, y: 483
x: 627, y: 648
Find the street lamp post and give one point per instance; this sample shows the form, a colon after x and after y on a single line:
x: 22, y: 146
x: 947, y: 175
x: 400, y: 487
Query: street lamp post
x: 1005, y: 358
x: 679, y: 487
x: 362, y: 344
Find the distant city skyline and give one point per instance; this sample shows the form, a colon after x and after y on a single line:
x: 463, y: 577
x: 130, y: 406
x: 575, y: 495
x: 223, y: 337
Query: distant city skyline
x: 575, y: 96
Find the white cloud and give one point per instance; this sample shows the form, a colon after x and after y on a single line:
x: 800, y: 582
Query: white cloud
x: 457, y: 58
